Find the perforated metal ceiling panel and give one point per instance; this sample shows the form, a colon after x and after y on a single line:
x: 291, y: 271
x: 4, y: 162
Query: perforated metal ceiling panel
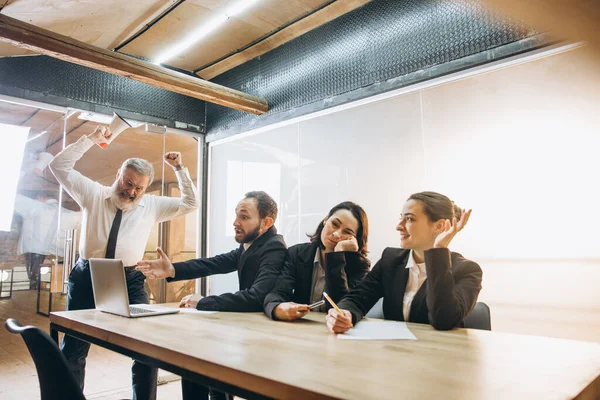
x: 382, y: 40
x: 57, y: 82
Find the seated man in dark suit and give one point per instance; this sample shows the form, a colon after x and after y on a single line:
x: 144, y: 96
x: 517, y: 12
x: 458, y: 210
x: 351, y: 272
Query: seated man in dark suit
x: 258, y: 261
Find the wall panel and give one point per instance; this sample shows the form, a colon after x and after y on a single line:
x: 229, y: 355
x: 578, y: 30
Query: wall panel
x: 518, y: 145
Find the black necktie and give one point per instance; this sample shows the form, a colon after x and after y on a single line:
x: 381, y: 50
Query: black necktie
x: 112, y: 237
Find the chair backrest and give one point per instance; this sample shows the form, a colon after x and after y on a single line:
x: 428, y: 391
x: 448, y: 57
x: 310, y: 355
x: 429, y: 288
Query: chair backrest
x: 479, y: 318
x: 55, y: 377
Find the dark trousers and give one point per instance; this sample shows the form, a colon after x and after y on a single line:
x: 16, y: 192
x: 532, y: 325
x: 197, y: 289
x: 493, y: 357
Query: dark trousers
x: 81, y: 297
x: 193, y: 391
x: 32, y: 265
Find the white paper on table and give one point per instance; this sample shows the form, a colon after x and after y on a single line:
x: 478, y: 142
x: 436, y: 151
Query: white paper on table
x: 189, y: 310
x: 378, y: 329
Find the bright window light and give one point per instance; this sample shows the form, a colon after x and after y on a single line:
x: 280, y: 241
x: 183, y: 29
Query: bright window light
x: 204, y: 30
x: 11, y: 157
x: 244, y: 177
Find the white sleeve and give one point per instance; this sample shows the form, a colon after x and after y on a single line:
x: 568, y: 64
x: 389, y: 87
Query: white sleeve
x: 79, y: 187
x: 169, y: 208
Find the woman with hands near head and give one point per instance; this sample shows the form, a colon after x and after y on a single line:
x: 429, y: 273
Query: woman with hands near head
x: 423, y: 281
x: 334, y: 261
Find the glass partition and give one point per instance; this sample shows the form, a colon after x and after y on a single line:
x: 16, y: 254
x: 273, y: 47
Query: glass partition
x: 41, y: 246
x: 30, y: 246
x: 179, y: 234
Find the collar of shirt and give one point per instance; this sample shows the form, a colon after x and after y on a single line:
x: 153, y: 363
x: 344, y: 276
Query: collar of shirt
x: 411, y: 263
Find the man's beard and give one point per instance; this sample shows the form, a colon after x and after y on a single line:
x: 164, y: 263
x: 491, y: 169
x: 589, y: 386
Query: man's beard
x: 125, y: 204
x: 249, y: 237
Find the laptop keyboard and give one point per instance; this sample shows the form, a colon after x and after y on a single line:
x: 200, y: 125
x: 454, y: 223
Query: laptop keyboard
x: 136, y: 310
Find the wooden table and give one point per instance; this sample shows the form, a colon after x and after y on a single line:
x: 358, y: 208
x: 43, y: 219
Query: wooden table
x: 252, y: 356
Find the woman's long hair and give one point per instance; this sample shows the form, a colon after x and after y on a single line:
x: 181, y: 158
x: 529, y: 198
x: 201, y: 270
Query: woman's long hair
x: 363, y: 226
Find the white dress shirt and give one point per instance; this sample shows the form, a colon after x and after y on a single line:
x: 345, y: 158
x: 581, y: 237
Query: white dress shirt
x: 39, y: 232
x: 416, y: 276
x: 99, y: 210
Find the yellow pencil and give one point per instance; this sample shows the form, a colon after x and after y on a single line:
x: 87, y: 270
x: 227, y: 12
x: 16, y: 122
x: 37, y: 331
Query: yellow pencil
x: 332, y: 303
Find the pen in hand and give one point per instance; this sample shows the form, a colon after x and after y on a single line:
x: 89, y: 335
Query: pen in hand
x: 332, y: 303
x: 342, y: 322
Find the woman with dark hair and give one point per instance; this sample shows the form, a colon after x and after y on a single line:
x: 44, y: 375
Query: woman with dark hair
x: 423, y: 281
x: 334, y: 261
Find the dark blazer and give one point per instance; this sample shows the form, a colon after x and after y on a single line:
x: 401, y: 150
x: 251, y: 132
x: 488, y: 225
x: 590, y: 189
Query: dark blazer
x: 446, y: 297
x: 344, y: 270
x: 258, y: 269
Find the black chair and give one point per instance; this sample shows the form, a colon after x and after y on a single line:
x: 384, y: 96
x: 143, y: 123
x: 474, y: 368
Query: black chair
x: 55, y: 377
x: 479, y: 318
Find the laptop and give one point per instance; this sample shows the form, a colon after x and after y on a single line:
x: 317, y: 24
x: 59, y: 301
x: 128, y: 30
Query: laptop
x: 110, y: 291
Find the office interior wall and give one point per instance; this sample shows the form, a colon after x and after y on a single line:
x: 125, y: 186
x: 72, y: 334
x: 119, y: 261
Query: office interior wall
x: 516, y: 144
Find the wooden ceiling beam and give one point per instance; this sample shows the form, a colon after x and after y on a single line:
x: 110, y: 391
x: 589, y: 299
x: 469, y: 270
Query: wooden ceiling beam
x: 43, y: 41
x: 314, y: 20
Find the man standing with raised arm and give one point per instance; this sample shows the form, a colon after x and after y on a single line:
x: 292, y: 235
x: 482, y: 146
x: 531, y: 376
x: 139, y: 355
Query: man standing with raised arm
x: 116, y: 223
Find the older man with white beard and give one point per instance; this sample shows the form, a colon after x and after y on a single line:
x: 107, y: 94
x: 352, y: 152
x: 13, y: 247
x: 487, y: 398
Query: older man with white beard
x: 116, y: 223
